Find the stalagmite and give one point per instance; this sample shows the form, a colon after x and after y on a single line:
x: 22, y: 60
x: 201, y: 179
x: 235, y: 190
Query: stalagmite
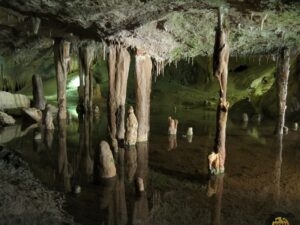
x: 86, y: 56
x: 220, y: 67
x: 173, y: 123
x: 282, y: 76
x: 61, y: 60
x: 143, y: 69
x: 39, y: 100
x: 131, y: 127
x: 119, y: 61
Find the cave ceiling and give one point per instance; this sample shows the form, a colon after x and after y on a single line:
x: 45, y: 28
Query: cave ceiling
x: 167, y: 29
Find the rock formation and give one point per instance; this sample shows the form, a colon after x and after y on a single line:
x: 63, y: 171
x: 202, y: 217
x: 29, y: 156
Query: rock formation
x: 143, y: 68
x: 173, y: 123
x: 106, y: 161
x: 39, y: 100
x: 34, y: 114
x: 6, y: 119
x: 13, y: 101
x: 49, y: 118
x: 131, y: 127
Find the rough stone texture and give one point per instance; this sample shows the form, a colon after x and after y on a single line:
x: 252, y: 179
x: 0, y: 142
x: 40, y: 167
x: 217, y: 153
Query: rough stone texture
x: 282, y: 77
x: 143, y: 67
x: 131, y: 127
x: 24, y: 200
x: 49, y: 119
x: 61, y: 60
x: 119, y: 61
x: 34, y: 113
x: 172, y: 126
x: 167, y: 30
x: 9, y: 133
x: 39, y: 100
x: 106, y: 161
x: 13, y: 101
x: 6, y: 119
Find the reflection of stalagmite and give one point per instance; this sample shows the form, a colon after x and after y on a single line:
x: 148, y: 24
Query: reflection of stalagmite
x: 172, y: 142
x: 220, y: 67
x: 143, y: 68
x: 282, y: 76
x: 106, y: 161
x: 131, y: 127
x: 141, y: 209
x: 120, y: 209
x: 131, y: 162
x: 49, y: 119
x: 64, y: 169
x: 39, y: 100
x: 61, y: 60
x: 215, y: 191
x: 172, y: 126
x: 48, y: 139
x: 88, y: 163
x: 277, y: 172
x: 119, y: 60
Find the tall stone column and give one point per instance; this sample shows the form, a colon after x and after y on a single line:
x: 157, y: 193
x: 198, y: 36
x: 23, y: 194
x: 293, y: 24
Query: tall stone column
x: 39, y: 100
x: 282, y: 77
x: 86, y: 56
x: 143, y: 68
x: 61, y: 60
x: 119, y: 61
x: 220, y: 70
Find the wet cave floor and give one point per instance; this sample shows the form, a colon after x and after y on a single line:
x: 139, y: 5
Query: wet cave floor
x: 262, y: 175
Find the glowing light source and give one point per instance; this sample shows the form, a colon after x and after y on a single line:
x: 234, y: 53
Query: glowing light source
x: 74, y: 83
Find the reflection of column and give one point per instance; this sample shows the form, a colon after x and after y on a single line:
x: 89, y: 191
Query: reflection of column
x: 119, y: 197
x: 131, y: 162
x: 140, y: 207
x: 64, y: 170
x: 172, y: 142
x: 105, y: 200
x: 215, y: 191
x: 277, y: 172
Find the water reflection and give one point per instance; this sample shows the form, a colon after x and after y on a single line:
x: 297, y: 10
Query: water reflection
x: 64, y: 169
x: 215, y: 192
x: 172, y: 142
x: 277, y: 171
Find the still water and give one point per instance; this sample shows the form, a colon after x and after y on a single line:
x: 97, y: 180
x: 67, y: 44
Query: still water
x: 262, y: 172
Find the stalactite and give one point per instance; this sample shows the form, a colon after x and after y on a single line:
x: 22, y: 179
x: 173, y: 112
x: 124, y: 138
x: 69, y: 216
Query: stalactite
x: 220, y: 70
x: 62, y: 60
x: 282, y: 76
x: 36, y: 22
x: 119, y: 62
x: 86, y: 56
x: 143, y: 69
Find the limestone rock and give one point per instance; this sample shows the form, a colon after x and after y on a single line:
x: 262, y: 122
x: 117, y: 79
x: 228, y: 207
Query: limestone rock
x: 189, y: 132
x: 106, y: 161
x: 172, y: 126
x: 6, y: 119
x: 131, y: 127
x: 39, y: 100
x: 34, y: 113
x: 13, y: 101
x: 49, y: 119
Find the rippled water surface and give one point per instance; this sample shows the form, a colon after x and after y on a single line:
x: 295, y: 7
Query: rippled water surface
x: 262, y: 171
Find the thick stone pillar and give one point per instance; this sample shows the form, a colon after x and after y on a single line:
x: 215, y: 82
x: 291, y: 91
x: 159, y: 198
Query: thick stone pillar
x: 220, y: 70
x: 61, y: 60
x: 39, y: 100
x: 143, y: 68
x: 282, y: 77
x: 119, y: 61
x: 86, y: 56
